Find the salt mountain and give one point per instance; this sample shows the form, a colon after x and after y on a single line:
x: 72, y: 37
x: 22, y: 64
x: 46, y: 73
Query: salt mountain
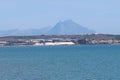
x: 67, y: 27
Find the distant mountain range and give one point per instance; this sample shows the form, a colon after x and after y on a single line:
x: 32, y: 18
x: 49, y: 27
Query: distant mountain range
x: 67, y: 27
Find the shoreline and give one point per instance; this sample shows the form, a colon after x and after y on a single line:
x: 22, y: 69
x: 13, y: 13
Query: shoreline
x: 58, y: 40
x: 58, y: 45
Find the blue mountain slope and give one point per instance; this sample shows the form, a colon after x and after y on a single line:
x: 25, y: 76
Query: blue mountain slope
x: 69, y: 27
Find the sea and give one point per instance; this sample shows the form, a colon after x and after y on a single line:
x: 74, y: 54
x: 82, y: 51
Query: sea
x: 83, y: 62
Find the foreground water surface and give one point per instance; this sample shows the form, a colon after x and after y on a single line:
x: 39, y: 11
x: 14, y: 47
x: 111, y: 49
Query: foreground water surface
x: 85, y: 62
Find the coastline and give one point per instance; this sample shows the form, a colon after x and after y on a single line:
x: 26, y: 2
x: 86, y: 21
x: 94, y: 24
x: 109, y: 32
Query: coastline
x: 58, y: 45
x: 58, y: 40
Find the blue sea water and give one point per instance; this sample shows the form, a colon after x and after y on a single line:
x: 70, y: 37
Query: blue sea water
x: 84, y: 62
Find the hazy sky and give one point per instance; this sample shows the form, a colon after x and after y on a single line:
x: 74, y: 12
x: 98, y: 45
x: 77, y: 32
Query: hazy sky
x: 102, y: 16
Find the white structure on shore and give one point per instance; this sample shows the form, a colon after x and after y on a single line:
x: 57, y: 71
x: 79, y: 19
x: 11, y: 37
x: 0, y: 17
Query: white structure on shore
x: 58, y: 43
x: 53, y: 43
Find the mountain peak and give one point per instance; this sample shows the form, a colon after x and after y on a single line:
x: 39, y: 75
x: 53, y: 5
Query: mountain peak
x: 69, y: 27
x: 69, y: 20
x: 66, y: 21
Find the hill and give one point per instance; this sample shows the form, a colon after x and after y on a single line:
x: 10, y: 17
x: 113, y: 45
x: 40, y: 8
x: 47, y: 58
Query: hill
x: 67, y: 27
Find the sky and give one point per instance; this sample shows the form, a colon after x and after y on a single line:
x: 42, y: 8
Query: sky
x: 103, y: 16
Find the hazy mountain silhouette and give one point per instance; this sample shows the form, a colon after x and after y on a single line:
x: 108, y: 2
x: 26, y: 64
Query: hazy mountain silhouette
x: 67, y: 27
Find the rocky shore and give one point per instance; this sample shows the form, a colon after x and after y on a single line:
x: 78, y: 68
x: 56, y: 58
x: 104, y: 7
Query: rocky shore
x: 51, y: 40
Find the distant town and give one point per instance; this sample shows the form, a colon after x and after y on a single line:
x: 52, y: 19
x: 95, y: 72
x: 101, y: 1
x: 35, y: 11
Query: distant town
x: 54, y: 40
